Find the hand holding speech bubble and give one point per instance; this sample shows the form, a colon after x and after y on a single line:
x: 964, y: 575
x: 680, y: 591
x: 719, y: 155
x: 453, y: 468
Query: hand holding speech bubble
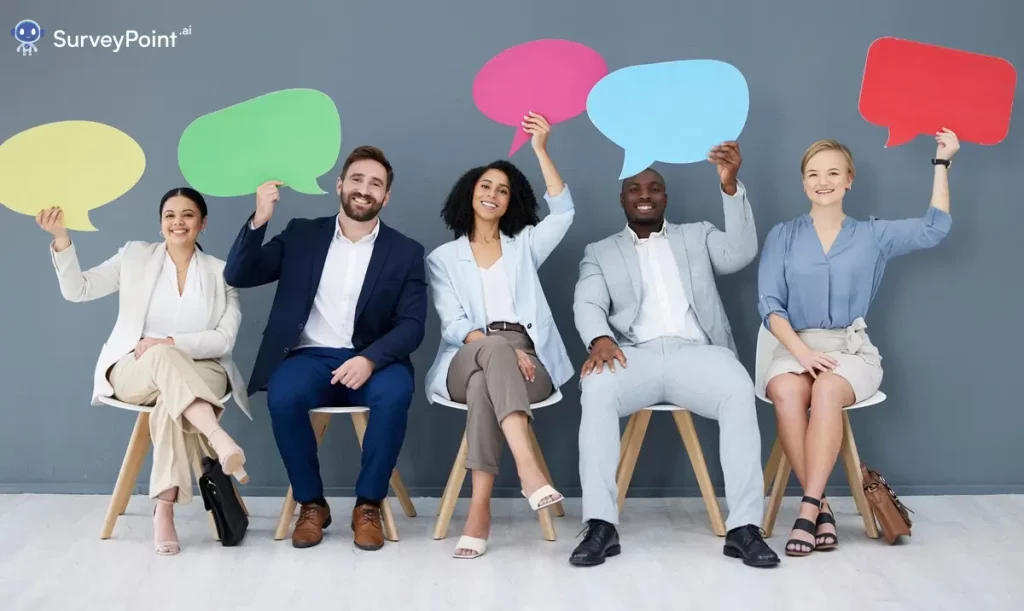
x: 917, y: 89
x: 672, y: 112
x: 77, y: 165
x: 549, y: 77
x: 291, y: 135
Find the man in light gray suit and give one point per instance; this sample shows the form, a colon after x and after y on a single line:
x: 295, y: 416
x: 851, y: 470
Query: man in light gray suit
x: 647, y: 306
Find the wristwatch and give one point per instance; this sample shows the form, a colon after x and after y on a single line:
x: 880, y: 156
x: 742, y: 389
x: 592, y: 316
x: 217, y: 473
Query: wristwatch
x: 945, y: 162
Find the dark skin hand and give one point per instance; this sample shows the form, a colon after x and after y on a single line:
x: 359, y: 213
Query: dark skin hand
x: 604, y: 350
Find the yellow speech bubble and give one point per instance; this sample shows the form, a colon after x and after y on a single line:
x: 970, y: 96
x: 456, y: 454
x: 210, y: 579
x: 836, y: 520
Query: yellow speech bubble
x: 77, y: 165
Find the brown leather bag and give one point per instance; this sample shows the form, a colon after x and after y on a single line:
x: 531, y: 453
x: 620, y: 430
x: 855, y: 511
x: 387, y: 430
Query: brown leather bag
x: 892, y: 515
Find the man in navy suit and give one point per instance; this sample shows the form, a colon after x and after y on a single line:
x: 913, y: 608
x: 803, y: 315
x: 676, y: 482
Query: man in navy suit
x: 350, y: 308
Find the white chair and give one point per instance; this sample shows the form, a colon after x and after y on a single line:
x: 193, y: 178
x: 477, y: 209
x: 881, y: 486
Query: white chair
x: 629, y: 451
x: 134, y: 456
x: 321, y: 417
x: 458, y: 474
x: 778, y: 469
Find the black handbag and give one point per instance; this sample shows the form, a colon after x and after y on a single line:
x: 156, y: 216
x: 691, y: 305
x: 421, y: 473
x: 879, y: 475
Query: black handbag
x: 219, y: 498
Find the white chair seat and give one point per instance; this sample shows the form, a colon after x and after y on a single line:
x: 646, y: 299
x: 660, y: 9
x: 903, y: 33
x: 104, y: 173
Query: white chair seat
x: 554, y: 398
x: 112, y: 402
x: 874, y: 399
x: 666, y: 408
x: 352, y: 409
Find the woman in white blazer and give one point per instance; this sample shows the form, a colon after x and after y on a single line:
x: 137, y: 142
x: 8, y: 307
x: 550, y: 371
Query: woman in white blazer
x: 500, y: 349
x: 170, y: 346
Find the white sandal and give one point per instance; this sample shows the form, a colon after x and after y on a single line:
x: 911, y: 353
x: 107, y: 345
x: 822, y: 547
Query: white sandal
x: 539, y: 494
x: 473, y: 544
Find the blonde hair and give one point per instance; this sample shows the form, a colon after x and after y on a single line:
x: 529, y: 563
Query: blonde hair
x: 828, y: 145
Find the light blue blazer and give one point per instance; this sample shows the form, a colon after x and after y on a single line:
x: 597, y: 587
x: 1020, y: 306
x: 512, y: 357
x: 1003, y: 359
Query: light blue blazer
x: 457, y: 290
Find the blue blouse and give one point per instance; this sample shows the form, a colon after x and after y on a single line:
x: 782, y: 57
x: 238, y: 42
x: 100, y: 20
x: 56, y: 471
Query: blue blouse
x: 814, y: 290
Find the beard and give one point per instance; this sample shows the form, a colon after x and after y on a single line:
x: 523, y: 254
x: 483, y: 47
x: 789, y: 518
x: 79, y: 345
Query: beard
x: 357, y: 214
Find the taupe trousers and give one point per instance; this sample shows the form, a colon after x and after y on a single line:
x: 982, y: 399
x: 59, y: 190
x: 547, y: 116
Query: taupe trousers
x: 170, y: 381
x: 485, y: 376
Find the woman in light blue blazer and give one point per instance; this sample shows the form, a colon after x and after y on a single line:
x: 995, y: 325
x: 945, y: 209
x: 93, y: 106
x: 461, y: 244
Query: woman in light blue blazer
x: 500, y: 349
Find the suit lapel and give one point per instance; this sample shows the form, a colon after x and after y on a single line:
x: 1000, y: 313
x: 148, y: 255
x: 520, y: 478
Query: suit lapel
x: 321, y: 244
x: 628, y: 251
x: 678, y: 245
x: 381, y: 248
x: 469, y: 278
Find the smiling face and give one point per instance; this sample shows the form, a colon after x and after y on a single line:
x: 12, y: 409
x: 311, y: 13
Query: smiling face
x: 491, y: 195
x: 181, y: 221
x: 827, y: 177
x: 644, y: 199
x: 363, y: 190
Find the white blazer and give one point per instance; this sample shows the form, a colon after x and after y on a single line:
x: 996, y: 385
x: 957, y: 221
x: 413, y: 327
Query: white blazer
x: 457, y: 289
x: 133, y: 272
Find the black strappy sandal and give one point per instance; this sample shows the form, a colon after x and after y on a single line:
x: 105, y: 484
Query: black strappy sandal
x: 825, y: 541
x: 805, y: 547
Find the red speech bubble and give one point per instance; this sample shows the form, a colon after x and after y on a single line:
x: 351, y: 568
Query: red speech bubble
x: 915, y: 88
x: 550, y: 77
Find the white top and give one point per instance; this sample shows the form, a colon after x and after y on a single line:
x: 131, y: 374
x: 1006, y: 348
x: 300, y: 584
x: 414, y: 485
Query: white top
x: 170, y: 313
x: 497, y: 295
x: 332, y: 318
x: 664, y: 309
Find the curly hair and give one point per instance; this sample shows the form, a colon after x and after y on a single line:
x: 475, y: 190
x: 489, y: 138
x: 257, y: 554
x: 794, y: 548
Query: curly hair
x: 522, y: 204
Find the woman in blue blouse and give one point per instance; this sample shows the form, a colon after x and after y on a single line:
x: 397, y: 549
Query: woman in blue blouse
x: 817, y: 276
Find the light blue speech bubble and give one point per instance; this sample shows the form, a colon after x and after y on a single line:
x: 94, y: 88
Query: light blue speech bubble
x: 671, y: 111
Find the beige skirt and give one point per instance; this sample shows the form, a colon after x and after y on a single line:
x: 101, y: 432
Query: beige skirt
x: 860, y: 364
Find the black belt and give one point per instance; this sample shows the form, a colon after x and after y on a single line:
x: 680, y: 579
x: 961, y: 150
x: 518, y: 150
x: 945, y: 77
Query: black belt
x: 506, y: 326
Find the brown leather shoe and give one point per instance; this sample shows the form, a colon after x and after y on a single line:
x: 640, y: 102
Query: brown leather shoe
x: 369, y: 534
x: 309, y: 530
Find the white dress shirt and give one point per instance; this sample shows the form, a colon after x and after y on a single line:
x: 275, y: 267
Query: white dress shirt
x: 664, y: 309
x: 332, y: 319
x: 170, y: 313
x: 498, y: 301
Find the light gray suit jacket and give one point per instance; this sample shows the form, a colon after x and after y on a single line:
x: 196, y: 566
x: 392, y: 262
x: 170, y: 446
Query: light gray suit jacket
x: 609, y: 289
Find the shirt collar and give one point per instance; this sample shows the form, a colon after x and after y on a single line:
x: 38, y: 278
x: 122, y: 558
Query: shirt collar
x: 654, y: 234
x: 368, y: 238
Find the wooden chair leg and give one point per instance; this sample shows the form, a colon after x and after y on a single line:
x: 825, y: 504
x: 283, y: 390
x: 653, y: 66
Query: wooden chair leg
x: 285, y: 520
x: 688, y: 432
x: 557, y: 507
x: 402, y: 494
x: 851, y: 462
x: 451, y: 490
x: 359, y: 421
x: 630, y: 425
x: 641, y: 420
x: 319, y: 422
x: 772, y: 466
x: 778, y: 491
x: 134, y: 456
x: 547, y: 523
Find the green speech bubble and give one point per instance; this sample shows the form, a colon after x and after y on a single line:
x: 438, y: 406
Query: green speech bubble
x: 292, y: 135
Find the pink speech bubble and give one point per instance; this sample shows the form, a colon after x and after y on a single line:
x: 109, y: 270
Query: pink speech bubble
x: 549, y: 77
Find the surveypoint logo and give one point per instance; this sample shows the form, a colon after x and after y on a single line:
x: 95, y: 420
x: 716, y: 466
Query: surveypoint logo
x: 27, y: 33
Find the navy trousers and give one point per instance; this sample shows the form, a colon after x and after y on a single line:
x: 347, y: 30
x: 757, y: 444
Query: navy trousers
x: 303, y: 382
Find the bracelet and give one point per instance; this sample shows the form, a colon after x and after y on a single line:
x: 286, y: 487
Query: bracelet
x: 945, y: 162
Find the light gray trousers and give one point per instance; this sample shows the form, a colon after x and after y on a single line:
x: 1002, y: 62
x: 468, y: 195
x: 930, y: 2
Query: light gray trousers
x: 707, y: 380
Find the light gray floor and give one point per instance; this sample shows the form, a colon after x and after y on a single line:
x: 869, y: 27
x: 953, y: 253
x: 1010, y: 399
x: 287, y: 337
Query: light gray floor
x: 965, y: 554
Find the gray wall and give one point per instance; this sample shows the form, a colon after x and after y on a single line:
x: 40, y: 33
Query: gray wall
x: 946, y: 320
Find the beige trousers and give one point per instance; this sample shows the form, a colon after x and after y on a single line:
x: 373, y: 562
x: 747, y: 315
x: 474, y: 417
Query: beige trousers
x: 485, y: 376
x: 170, y: 381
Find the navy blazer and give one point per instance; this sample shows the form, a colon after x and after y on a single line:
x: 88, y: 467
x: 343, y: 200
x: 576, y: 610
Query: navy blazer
x: 392, y: 307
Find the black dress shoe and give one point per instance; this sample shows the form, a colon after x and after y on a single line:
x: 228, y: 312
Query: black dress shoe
x: 747, y: 543
x: 600, y: 542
